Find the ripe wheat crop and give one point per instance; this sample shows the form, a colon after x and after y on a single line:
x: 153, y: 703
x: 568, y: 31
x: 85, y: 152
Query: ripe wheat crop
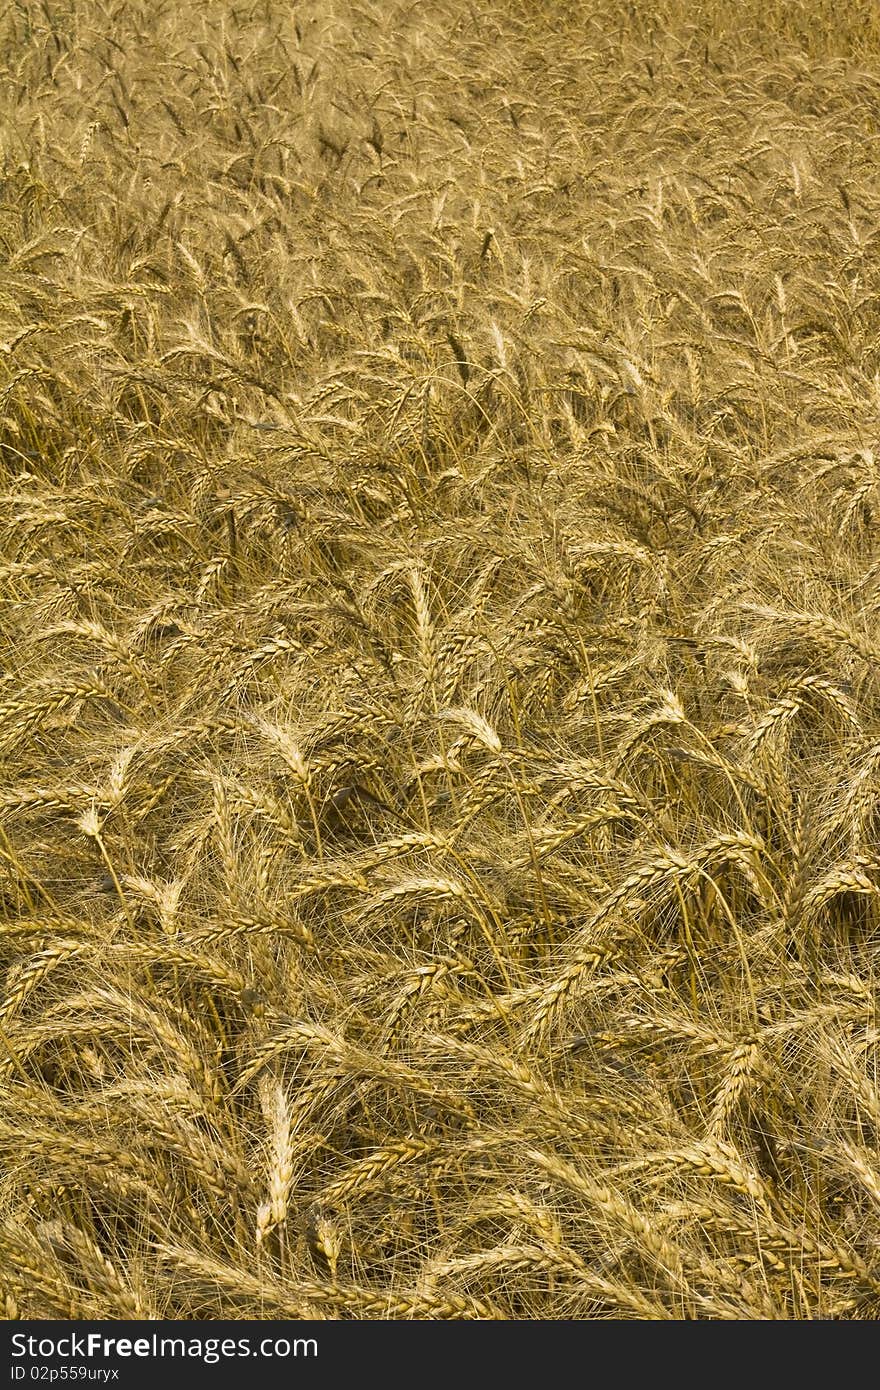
x: 439, y: 659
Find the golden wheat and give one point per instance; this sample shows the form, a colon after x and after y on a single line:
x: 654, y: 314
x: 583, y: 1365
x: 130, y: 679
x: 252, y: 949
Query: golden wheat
x: 439, y: 660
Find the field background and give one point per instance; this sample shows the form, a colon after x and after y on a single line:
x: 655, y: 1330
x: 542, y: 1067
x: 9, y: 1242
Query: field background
x: 439, y: 659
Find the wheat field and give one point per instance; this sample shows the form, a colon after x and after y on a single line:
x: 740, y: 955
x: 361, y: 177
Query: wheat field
x: 439, y: 659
